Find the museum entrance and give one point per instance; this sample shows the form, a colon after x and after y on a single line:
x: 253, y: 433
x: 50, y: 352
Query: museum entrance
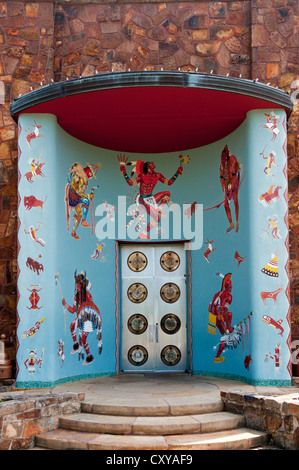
x: 153, y: 308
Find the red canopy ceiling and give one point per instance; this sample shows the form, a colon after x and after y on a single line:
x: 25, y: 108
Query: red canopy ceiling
x: 150, y: 119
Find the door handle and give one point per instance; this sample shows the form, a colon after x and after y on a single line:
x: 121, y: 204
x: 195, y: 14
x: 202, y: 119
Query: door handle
x: 151, y: 333
x: 157, y: 333
x: 154, y: 333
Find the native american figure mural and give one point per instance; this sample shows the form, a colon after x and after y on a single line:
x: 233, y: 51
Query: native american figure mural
x: 76, y: 197
x: 88, y: 318
x: 208, y: 250
x: 34, y: 134
x: 36, y: 169
x: 272, y: 122
x: 230, y: 174
x: 148, y: 203
x: 276, y: 356
x: 31, y: 331
x: 270, y: 162
x: 32, y: 232
x: 220, y: 317
x: 32, y: 362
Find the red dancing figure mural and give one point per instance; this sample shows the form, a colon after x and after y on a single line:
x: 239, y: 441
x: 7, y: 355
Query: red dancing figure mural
x: 147, y: 179
x: 230, y: 171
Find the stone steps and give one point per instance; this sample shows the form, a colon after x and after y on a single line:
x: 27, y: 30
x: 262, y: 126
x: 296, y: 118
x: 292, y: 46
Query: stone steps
x: 198, y: 424
x: 174, y: 407
x: 236, y: 439
x: 152, y: 425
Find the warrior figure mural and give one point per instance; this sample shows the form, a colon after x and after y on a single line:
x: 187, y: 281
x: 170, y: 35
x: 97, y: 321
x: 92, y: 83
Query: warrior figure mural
x: 88, y: 318
x: 147, y: 178
x: 230, y: 170
x: 76, y: 197
x: 220, y: 317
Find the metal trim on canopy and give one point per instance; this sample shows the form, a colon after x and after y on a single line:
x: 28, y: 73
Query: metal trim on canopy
x: 152, y: 79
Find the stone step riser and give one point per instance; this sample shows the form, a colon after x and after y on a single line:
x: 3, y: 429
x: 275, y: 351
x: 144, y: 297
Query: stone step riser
x: 158, y: 426
x: 240, y: 439
x: 200, y: 407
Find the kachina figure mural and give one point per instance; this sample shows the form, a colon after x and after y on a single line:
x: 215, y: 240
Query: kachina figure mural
x: 230, y: 174
x: 220, y: 317
x: 76, y: 197
x: 34, y: 297
x: 32, y: 361
x: 88, y: 318
x: 275, y: 356
x: 147, y: 179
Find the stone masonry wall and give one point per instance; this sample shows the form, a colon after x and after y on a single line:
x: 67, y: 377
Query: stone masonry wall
x: 276, y: 415
x: 23, y: 417
x: 26, y: 59
x: 46, y: 40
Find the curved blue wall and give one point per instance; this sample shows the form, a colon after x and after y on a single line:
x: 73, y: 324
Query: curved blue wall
x: 260, y: 354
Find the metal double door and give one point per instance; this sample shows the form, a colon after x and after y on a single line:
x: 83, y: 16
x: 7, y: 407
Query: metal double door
x: 153, y: 308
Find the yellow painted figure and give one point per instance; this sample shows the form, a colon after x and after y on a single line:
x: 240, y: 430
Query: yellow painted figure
x: 76, y: 197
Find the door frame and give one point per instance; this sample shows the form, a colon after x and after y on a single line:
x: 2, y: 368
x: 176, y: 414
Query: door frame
x: 118, y: 313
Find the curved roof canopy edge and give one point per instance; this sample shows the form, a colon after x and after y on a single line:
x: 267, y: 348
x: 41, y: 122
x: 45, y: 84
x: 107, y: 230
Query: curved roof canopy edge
x: 151, y: 112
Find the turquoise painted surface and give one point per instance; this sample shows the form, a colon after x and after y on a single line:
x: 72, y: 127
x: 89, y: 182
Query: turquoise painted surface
x: 63, y: 255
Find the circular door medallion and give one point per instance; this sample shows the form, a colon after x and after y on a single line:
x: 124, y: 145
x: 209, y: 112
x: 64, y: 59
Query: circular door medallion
x: 137, y: 293
x: 137, y: 261
x: 137, y: 324
x: 170, y: 324
x: 170, y: 261
x: 170, y: 292
x: 137, y: 355
x: 170, y: 355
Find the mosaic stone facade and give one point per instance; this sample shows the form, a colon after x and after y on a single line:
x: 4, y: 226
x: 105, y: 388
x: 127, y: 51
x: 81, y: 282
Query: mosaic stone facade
x: 44, y: 41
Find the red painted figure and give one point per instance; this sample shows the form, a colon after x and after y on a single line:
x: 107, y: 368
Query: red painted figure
x: 230, y: 182
x: 82, y: 295
x: 34, y: 298
x: 219, y: 309
x: 147, y: 178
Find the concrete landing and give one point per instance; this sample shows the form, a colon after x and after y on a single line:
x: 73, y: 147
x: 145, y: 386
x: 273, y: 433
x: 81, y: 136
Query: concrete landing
x: 159, y: 390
